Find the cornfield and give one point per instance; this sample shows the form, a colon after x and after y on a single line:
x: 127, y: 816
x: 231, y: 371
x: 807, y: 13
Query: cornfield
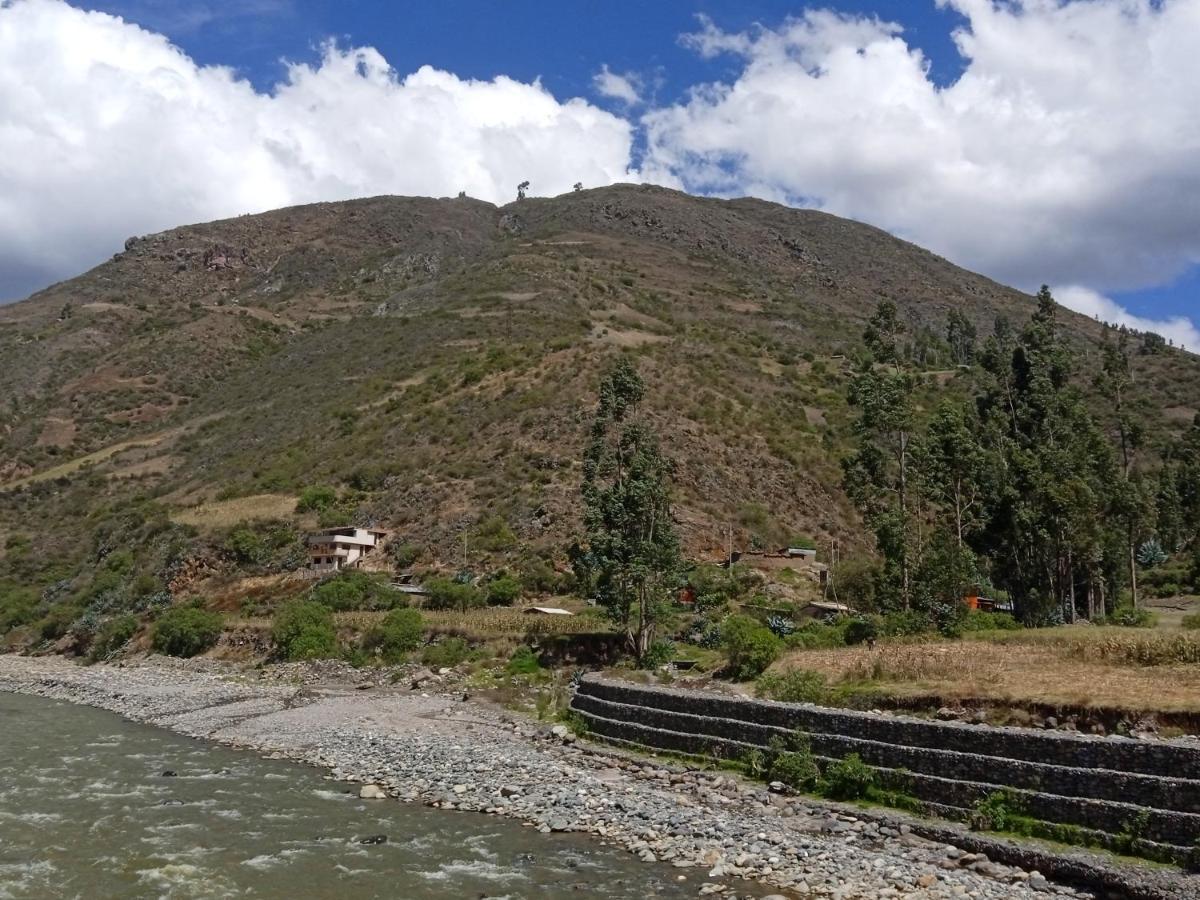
x: 1116, y: 646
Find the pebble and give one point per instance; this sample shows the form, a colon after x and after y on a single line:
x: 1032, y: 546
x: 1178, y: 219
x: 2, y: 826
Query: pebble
x: 404, y: 743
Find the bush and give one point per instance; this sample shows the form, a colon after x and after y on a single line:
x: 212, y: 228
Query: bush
x: 817, y: 636
x: 658, y: 654
x: 503, y: 590
x: 1192, y: 622
x: 1128, y: 617
x: 905, y: 624
x: 17, y: 607
x: 316, y: 499
x: 751, y: 646
x: 781, y: 626
x: 796, y: 686
x: 494, y: 535
x: 861, y: 629
x: 356, y: 590
x: 990, y: 621
x: 792, y: 764
x: 58, y: 621
x: 399, y: 633
x: 998, y: 811
x: 446, y: 653
x: 245, y: 546
x: 304, y: 629
x: 848, y: 779
x: 113, y: 635
x: 523, y: 662
x: 404, y: 555
x: 444, y: 593
x: 186, y: 631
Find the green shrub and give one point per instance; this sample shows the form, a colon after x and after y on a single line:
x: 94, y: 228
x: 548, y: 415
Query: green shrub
x: 1192, y: 622
x: 354, y: 589
x: 523, y: 662
x: 537, y: 576
x: 503, y: 590
x: 796, y: 686
x: 17, y: 607
x: 848, y: 779
x: 817, y: 636
x: 316, y: 498
x: 861, y: 629
x: 399, y: 633
x: 658, y: 654
x: 113, y: 635
x: 494, y: 535
x: 245, y: 546
x: 404, y: 555
x: 1128, y: 617
x: 186, y: 631
x: 751, y: 646
x: 446, y: 653
x: 304, y: 629
x: 445, y: 593
x: 58, y: 621
x: 905, y: 624
x: 998, y: 811
x: 977, y: 620
x: 792, y: 763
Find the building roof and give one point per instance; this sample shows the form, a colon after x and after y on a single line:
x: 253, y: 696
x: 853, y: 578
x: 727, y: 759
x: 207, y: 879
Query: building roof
x: 829, y: 606
x: 548, y: 610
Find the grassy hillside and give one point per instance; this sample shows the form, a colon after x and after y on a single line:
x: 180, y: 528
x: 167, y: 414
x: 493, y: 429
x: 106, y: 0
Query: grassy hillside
x: 435, y: 361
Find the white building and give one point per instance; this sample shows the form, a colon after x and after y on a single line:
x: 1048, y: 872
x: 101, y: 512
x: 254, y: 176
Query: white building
x: 340, y: 548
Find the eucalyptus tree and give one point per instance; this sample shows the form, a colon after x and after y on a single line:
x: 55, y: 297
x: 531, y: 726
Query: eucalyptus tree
x: 632, y: 558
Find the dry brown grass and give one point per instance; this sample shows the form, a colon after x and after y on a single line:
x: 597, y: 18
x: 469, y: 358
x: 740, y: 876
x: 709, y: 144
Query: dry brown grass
x: 1057, y: 667
x: 225, y: 513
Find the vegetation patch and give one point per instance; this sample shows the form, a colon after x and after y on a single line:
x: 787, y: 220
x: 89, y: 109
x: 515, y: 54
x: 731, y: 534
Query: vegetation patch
x: 186, y: 631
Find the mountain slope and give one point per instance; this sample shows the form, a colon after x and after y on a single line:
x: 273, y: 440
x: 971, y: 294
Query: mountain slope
x: 436, y: 360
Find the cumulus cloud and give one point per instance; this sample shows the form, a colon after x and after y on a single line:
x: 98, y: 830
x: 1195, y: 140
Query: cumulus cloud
x: 619, y: 87
x: 108, y: 130
x: 1092, y: 303
x: 1064, y: 153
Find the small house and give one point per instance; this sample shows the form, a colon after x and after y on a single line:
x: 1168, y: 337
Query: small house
x: 823, y: 611
x: 339, y: 548
x: 546, y: 611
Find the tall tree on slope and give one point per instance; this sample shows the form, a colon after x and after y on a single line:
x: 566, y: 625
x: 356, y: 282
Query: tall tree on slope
x: 632, y: 557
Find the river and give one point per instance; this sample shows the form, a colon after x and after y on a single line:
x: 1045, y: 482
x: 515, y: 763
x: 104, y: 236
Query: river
x: 94, y: 806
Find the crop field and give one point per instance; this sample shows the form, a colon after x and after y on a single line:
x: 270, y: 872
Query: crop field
x: 1141, y: 670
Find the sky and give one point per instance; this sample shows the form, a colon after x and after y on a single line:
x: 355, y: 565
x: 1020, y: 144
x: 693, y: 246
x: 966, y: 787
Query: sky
x: 1035, y: 141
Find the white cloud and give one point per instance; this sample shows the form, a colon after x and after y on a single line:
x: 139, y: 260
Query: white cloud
x: 1066, y: 151
x: 1091, y: 303
x: 107, y: 130
x: 625, y: 88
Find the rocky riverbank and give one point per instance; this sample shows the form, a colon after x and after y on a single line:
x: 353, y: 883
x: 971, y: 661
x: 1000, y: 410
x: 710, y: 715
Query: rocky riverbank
x: 417, y: 744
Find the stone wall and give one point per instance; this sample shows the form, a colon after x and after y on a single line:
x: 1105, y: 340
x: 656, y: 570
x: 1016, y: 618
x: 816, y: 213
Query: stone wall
x: 1110, y: 785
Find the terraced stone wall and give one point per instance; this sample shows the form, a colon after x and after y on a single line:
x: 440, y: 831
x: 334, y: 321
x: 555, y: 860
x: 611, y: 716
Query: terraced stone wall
x: 1113, y: 788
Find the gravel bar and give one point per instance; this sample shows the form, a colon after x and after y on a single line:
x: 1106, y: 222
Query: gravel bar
x: 430, y: 744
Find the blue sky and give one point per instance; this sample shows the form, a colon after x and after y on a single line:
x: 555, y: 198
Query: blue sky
x: 757, y: 53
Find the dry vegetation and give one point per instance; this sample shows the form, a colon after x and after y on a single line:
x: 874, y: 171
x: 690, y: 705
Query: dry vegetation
x: 227, y: 513
x: 1126, y: 668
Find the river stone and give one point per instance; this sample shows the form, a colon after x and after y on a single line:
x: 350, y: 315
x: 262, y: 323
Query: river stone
x: 372, y: 792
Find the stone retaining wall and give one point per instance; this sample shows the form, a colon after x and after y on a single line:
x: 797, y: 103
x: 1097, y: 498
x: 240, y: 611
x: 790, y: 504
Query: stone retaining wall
x: 1104, y: 784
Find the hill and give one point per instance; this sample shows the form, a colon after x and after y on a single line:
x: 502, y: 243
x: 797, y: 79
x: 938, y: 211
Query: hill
x: 435, y: 362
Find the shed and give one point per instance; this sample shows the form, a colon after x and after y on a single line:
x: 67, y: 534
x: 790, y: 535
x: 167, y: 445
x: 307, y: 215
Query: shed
x: 547, y: 611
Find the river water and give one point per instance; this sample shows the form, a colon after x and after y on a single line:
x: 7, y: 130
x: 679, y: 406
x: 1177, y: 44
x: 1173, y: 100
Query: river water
x: 87, y: 812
